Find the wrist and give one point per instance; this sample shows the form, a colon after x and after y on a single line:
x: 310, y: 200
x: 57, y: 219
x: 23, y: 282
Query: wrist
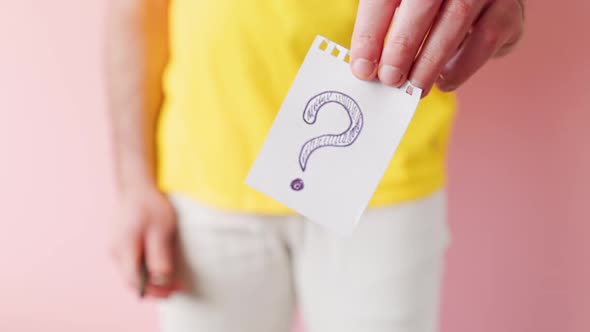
x: 133, y: 178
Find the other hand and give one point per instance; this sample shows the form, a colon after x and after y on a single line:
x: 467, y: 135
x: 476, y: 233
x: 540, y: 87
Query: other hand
x: 146, y: 228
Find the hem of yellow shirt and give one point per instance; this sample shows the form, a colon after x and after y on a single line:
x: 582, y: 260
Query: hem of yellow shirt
x: 380, y: 198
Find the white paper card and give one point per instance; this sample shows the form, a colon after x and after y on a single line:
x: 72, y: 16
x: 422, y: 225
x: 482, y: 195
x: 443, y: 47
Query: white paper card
x: 332, y: 140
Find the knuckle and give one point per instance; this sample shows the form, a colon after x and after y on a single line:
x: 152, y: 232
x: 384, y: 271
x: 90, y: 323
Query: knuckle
x: 402, y: 46
x: 460, y: 9
x: 167, y: 227
x: 365, y: 42
x: 366, y: 37
x: 505, y: 11
x: 512, y: 7
x: 490, y: 37
x: 133, y: 228
x: 133, y: 215
x: 142, y: 216
x: 429, y: 58
x: 164, y: 227
x: 510, y: 16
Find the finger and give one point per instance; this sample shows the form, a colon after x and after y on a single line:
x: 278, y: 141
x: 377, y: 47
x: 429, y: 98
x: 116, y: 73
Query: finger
x: 512, y: 14
x: 450, y: 28
x: 493, y: 29
x: 128, y: 256
x: 160, y: 252
x: 372, y: 22
x: 410, y: 25
x: 162, y: 291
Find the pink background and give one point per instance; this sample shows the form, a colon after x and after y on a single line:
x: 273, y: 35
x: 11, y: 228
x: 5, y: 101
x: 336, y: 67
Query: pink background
x: 519, y: 180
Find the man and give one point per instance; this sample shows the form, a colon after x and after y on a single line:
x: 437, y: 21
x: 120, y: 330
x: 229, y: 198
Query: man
x: 218, y: 71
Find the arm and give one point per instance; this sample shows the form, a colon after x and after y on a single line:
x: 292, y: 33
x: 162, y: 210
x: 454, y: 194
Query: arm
x: 136, y: 55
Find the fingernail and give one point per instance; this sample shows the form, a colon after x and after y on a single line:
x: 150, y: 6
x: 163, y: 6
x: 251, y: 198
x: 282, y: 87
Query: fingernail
x: 444, y: 85
x: 363, y: 68
x: 390, y: 75
x: 160, y: 280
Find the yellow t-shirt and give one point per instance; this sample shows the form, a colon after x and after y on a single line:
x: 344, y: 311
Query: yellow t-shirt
x: 232, y: 63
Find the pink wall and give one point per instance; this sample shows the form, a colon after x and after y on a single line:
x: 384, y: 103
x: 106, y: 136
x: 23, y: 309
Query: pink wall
x: 520, y: 186
x: 518, y: 166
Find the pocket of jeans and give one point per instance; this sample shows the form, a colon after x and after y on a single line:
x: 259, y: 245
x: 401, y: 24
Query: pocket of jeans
x: 220, y: 238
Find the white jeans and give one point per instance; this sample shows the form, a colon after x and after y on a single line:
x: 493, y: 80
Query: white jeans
x: 248, y: 272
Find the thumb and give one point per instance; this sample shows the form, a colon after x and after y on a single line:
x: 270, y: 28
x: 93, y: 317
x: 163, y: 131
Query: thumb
x: 159, y: 251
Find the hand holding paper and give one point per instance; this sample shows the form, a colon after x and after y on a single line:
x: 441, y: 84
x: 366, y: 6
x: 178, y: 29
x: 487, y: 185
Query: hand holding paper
x: 332, y: 139
x: 432, y: 41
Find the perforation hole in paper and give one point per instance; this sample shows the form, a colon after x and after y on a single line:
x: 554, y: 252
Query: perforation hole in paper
x: 335, y: 52
x: 323, y: 45
x: 347, y: 58
x: 410, y: 90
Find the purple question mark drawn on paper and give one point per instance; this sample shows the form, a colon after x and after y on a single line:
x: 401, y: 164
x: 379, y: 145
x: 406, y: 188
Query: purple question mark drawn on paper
x: 343, y: 139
